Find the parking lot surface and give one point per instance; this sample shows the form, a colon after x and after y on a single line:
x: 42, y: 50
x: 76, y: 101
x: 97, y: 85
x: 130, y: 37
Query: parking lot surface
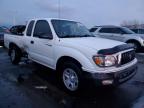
x: 37, y: 87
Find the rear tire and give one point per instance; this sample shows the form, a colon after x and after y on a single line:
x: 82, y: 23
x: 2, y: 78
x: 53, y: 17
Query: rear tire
x: 15, y: 55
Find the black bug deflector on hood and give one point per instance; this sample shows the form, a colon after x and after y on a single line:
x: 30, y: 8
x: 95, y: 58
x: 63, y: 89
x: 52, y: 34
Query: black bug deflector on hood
x: 116, y: 49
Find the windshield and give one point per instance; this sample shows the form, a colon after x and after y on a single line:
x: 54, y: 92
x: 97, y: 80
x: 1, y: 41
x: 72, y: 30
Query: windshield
x: 127, y: 31
x: 68, y: 29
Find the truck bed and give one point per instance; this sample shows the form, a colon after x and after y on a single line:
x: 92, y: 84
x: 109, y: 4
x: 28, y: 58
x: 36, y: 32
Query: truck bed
x: 16, y: 39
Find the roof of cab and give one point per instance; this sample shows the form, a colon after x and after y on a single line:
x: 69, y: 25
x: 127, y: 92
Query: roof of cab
x: 49, y: 19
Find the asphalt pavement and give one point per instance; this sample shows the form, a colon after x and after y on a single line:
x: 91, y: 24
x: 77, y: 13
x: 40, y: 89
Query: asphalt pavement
x: 39, y: 88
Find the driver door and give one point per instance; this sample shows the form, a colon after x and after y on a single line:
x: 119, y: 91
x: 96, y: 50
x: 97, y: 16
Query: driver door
x: 41, y: 44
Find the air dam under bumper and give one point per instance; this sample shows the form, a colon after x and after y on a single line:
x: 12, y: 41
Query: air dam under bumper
x: 113, y: 78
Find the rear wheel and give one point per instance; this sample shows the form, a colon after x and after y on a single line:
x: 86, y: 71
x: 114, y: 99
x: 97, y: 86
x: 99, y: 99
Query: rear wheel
x: 15, y: 55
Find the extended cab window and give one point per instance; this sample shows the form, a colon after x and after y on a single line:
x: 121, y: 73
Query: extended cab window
x: 42, y: 29
x: 29, y: 29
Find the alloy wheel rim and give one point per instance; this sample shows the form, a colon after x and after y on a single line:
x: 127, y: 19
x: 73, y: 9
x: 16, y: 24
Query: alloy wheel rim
x: 70, y: 79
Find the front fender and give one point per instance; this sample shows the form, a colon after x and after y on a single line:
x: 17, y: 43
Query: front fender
x: 85, y: 60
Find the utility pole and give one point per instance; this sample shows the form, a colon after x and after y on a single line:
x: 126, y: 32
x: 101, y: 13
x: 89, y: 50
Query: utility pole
x: 59, y: 9
x: 14, y: 13
x: 14, y: 20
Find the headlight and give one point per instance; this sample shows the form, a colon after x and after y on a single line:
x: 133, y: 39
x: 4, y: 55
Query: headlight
x: 105, y: 60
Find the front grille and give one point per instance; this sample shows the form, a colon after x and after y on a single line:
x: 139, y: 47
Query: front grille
x: 127, y: 57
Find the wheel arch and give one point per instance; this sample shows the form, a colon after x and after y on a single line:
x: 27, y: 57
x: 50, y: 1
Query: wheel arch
x: 63, y: 59
x: 11, y: 45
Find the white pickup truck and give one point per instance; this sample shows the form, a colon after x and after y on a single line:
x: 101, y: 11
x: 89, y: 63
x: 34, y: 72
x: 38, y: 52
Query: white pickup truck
x: 70, y: 49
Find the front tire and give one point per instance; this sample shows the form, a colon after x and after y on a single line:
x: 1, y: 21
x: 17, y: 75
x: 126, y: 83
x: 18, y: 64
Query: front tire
x: 71, y: 77
x: 15, y: 55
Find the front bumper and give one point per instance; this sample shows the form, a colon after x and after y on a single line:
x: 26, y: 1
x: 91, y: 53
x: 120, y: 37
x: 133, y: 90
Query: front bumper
x: 111, y: 78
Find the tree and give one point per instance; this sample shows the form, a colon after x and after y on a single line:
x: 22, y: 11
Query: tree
x: 132, y: 24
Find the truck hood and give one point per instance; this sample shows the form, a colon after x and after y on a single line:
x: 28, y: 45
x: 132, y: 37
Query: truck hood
x: 90, y: 42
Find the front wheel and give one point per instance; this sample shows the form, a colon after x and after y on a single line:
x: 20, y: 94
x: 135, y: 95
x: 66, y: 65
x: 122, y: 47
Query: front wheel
x: 15, y: 55
x: 70, y: 75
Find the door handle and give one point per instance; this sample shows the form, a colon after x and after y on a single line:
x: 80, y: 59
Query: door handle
x: 32, y: 42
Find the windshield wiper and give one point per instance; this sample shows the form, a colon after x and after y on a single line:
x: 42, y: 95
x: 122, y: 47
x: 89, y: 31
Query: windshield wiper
x: 68, y: 36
